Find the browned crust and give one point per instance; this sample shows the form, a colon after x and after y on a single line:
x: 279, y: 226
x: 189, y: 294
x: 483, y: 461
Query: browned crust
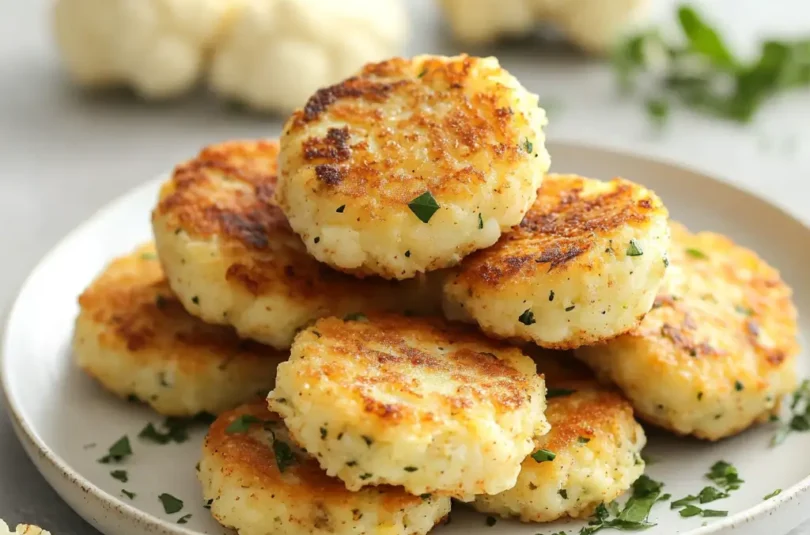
x: 383, y: 346
x: 589, y: 412
x: 477, y: 131
x: 678, y: 325
x: 562, y: 225
x: 248, y: 455
x: 132, y: 302
x: 227, y: 192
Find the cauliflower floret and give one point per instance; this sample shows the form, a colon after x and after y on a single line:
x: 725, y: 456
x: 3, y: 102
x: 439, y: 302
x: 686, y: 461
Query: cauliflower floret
x: 592, y: 25
x: 157, y: 47
x: 281, y: 51
x: 22, y: 529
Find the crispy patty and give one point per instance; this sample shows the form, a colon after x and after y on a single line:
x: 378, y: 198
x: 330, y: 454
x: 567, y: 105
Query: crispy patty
x: 135, y: 338
x: 232, y: 258
x: 411, y: 164
x: 416, y: 402
x: 719, y: 348
x: 584, y: 265
x: 256, y: 480
x: 597, y: 446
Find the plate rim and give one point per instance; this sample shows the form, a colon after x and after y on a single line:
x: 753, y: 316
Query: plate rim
x: 31, y: 441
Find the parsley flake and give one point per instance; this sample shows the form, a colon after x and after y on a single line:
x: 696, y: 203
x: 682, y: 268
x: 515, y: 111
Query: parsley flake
x: 284, y: 454
x: 357, y: 316
x: 341, y: 208
x: 170, y: 504
x: 118, y: 451
x: 120, y: 475
x: 242, y: 424
x: 725, y: 476
x: 128, y: 494
x: 558, y: 392
x: 491, y: 521
x: 480, y: 221
x: 634, y: 249
x: 424, y: 206
x: 542, y: 456
x: 527, y: 318
x: 184, y: 519
x: 772, y: 494
x: 528, y: 145
x: 696, y: 253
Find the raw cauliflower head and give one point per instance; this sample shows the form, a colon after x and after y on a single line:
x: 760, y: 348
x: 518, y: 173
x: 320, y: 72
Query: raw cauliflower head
x: 592, y: 25
x: 279, y: 52
x: 157, y: 47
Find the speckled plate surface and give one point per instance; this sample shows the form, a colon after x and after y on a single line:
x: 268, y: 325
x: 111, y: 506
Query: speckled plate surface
x: 66, y: 422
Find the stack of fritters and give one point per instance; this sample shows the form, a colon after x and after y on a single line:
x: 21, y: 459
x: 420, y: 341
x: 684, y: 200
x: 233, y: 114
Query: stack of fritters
x: 419, y: 188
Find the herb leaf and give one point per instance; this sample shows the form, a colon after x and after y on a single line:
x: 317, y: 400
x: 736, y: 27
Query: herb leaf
x: 645, y: 494
x: 634, y: 249
x: 424, y: 206
x: 542, y: 456
x: 772, y: 494
x: 710, y: 494
x: 658, y: 110
x: 725, y: 476
x: 480, y: 221
x: 696, y: 253
x: 284, y: 454
x: 128, y: 494
x: 527, y: 318
x: 120, y: 475
x: 184, y: 519
x: 704, y: 40
x: 170, y: 504
x: 118, y: 451
x: 690, y: 510
x: 242, y: 424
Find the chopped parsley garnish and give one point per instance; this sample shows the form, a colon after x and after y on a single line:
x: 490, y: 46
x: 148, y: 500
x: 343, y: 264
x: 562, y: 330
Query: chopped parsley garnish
x: 284, y: 454
x: 242, y: 423
x: 480, y: 221
x: 341, y: 208
x: 148, y: 256
x: 745, y: 311
x: 690, y: 510
x: 725, y: 476
x: 683, y: 502
x: 527, y: 318
x: 529, y: 146
x: 772, y: 494
x: 118, y: 451
x: 407, y: 254
x: 195, y: 300
x: 357, y: 316
x: 551, y: 295
x: 368, y: 440
x: 425, y: 496
x: 324, y: 433
x: 422, y: 73
x: 542, y: 456
x: 365, y: 476
x: 491, y: 521
x: 207, y: 504
x: 558, y: 392
x: 424, y: 206
x: 646, y: 492
x: 738, y: 386
x: 634, y: 249
x: 569, y: 309
x: 411, y: 469
x: 700, y: 72
x: 710, y: 494
x: 174, y: 429
x: 120, y: 475
x: 696, y: 253
x: 170, y: 504
x: 666, y: 261
x: 184, y: 519
x: 563, y: 493
x: 128, y: 494
x: 712, y: 512
x: 799, y: 414
x: 583, y: 440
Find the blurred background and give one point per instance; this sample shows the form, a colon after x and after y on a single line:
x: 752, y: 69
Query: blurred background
x: 98, y: 96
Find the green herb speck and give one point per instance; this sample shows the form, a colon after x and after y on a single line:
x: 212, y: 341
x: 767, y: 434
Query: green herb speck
x: 527, y: 318
x: 542, y: 456
x: 424, y: 206
x: 170, y: 504
x: 634, y: 249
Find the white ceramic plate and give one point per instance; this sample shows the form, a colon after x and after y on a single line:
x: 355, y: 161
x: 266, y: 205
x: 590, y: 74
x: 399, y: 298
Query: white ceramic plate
x: 59, y: 413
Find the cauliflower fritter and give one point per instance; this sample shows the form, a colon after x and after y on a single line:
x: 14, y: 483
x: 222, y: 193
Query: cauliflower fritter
x: 583, y: 266
x: 717, y: 351
x: 135, y: 338
x: 258, y: 481
x: 232, y: 258
x: 414, y: 402
x: 22, y: 529
x: 412, y: 164
x: 279, y: 52
x: 597, y: 444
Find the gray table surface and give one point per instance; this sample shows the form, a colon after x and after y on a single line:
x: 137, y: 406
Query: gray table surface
x: 63, y: 155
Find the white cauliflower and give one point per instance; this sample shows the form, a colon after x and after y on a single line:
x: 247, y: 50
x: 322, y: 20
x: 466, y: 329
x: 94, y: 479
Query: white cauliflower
x: 22, y: 529
x: 157, y: 47
x: 279, y: 52
x: 593, y: 25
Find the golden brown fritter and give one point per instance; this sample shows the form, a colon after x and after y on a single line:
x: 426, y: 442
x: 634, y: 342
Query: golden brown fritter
x: 460, y: 128
x: 136, y: 339
x: 718, y: 349
x: 583, y: 266
x: 232, y: 258
x: 416, y: 402
x: 257, y: 479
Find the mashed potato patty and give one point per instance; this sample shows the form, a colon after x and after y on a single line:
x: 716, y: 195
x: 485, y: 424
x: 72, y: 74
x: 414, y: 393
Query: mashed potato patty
x: 232, y: 258
x: 719, y: 348
x: 257, y: 481
x: 583, y: 266
x: 412, y: 164
x: 415, y: 402
x: 135, y: 338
